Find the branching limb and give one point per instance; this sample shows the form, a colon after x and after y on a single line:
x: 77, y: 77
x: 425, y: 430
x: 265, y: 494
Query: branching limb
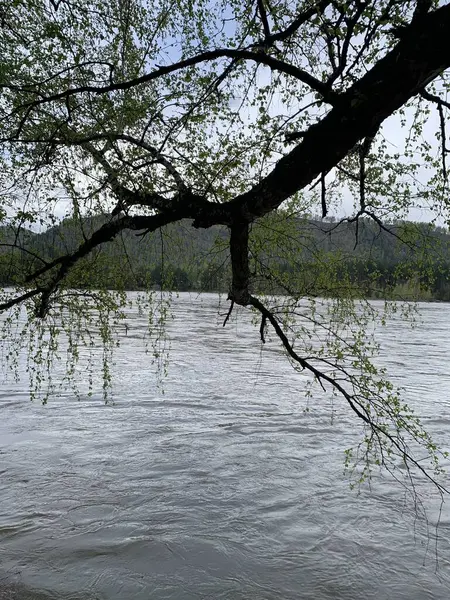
x: 434, y: 98
x: 246, y: 54
x: 380, y: 431
x: 300, y: 20
x: 106, y: 233
x: 158, y: 156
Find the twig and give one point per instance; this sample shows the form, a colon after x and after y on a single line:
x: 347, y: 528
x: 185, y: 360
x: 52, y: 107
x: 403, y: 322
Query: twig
x: 262, y: 328
x: 323, y: 195
x: 228, y: 315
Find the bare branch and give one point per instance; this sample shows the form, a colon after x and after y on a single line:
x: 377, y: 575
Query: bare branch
x: 228, y: 315
x: 263, y: 16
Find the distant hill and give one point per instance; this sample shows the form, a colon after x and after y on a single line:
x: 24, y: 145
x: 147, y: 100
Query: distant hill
x: 182, y: 257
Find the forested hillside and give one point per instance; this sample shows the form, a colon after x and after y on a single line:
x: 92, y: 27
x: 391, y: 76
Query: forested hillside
x: 371, y: 257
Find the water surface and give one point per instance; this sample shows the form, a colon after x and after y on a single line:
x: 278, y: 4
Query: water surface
x: 223, y: 486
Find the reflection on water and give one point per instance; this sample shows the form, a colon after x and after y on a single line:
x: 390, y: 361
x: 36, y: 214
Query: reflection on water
x: 223, y: 487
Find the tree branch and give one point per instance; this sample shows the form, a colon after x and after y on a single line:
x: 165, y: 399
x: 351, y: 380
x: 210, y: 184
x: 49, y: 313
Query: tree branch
x: 434, y: 98
x: 302, y: 18
x: 264, y: 21
x: 106, y: 233
x: 239, y: 234
x: 111, y: 136
x: 243, y: 54
x: 20, y: 299
x: 352, y: 399
x: 397, y: 77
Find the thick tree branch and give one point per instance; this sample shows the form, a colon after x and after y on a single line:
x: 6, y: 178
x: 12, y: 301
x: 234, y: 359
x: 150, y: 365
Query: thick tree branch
x: 106, y: 233
x: 239, y: 293
x: 19, y: 299
x: 263, y: 16
x: 397, y: 77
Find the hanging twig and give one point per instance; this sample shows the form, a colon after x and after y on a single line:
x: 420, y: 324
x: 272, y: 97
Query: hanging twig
x: 323, y: 195
x: 263, y: 328
x: 230, y: 310
x: 443, y: 136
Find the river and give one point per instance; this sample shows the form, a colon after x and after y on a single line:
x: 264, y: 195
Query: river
x: 219, y: 485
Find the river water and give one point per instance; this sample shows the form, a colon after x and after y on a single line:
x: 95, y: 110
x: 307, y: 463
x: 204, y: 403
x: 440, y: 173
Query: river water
x: 220, y: 485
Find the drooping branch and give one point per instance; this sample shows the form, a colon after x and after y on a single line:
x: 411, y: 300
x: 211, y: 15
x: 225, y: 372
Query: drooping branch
x: 443, y: 142
x: 323, y: 195
x: 24, y: 250
x: 364, y: 149
x: 354, y: 401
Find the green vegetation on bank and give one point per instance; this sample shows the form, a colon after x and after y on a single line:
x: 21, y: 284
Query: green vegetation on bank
x: 317, y: 256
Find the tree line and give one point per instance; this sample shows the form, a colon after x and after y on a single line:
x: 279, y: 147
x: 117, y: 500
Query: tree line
x: 411, y: 260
